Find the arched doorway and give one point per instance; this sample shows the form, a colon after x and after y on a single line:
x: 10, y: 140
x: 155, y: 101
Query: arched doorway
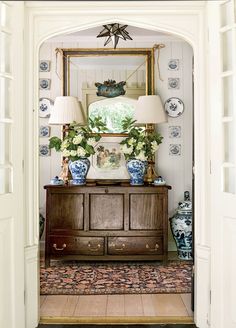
x: 54, y: 26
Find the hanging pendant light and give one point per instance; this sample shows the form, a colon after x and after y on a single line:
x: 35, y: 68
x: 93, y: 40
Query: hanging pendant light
x: 114, y: 32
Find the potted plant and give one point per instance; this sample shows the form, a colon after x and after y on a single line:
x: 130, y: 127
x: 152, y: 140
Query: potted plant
x: 139, y: 147
x: 77, y: 144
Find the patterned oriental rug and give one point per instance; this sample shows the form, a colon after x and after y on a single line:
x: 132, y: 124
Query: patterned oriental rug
x: 76, y: 278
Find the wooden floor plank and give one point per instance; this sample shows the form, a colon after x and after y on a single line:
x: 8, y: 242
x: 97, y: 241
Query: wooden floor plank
x: 169, y: 305
x: 115, y: 305
x: 133, y: 305
x: 53, y: 305
x: 148, y: 305
x: 91, y: 305
x: 186, y: 298
x: 69, y: 309
x: 42, y: 299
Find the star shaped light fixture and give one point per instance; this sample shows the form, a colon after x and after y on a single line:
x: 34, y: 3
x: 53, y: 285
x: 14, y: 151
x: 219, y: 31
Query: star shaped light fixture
x: 114, y: 32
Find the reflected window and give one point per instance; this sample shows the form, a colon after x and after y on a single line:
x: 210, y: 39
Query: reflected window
x: 113, y: 111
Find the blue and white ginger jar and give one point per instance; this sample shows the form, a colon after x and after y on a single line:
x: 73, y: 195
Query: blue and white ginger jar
x: 79, y: 170
x: 137, y: 170
x: 181, y: 227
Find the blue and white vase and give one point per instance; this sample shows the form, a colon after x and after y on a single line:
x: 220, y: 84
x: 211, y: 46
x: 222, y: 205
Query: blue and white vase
x: 137, y: 170
x: 181, y: 227
x: 79, y: 170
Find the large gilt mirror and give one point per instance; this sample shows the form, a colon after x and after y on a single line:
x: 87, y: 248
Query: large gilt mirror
x: 82, y: 68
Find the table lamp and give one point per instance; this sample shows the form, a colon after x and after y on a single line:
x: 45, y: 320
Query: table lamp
x: 150, y: 111
x: 66, y: 110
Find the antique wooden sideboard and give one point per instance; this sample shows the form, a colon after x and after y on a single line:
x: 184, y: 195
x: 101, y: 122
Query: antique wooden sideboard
x: 106, y: 223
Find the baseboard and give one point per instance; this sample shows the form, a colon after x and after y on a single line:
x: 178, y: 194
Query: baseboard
x: 172, y: 246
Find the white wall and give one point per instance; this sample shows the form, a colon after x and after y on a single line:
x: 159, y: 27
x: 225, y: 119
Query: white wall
x: 177, y: 170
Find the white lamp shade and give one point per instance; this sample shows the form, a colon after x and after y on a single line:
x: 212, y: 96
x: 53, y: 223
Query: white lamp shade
x: 66, y: 110
x: 149, y: 110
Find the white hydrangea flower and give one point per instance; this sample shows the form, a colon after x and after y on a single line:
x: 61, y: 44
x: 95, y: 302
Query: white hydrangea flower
x: 77, y: 139
x: 64, y: 144
x: 141, y: 156
x: 155, y: 146
x: 139, y: 145
x: 81, y: 152
x: 66, y: 153
x: 126, y: 150
x: 73, y: 153
x: 91, y: 141
x: 131, y: 141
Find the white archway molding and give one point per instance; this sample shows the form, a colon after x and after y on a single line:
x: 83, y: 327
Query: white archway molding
x: 45, y: 20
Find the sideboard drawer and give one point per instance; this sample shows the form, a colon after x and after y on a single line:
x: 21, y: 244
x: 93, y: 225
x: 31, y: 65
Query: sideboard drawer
x: 68, y: 245
x: 135, y: 245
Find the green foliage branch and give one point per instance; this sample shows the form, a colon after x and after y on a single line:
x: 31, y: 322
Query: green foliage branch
x: 139, y: 144
x: 79, y: 141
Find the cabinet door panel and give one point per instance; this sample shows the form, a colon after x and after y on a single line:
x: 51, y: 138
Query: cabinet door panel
x: 66, y: 211
x: 106, y: 212
x: 146, y: 211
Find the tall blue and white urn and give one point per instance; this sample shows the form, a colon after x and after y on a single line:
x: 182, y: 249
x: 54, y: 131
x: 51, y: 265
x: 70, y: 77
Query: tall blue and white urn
x: 137, y: 170
x: 181, y: 227
x: 79, y: 170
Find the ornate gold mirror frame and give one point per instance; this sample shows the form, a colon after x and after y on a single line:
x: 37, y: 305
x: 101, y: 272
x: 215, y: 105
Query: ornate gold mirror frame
x: 88, y: 94
x: 68, y: 54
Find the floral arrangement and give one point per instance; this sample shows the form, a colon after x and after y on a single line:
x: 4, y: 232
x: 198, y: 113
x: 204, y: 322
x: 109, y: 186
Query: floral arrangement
x: 139, y: 144
x: 79, y: 141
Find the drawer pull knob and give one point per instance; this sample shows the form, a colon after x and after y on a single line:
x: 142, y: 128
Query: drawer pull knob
x: 152, y: 249
x: 94, y: 249
x: 59, y: 249
x: 118, y: 249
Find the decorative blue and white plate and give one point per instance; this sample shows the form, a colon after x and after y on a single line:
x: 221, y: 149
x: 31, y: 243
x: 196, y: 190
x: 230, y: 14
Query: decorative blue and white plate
x: 44, y: 65
x: 173, y: 64
x: 44, y: 150
x: 174, y: 107
x: 44, y: 131
x: 45, y: 105
x: 44, y: 84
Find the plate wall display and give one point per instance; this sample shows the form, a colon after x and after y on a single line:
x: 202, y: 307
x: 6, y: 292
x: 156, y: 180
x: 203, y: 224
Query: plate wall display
x: 173, y: 83
x: 44, y: 150
x: 45, y: 84
x: 44, y: 131
x: 174, y: 107
x: 174, y: 131
x: 44, y: 65
x: 45, y: 106
x: 175, y: 150
x: 173, y: 65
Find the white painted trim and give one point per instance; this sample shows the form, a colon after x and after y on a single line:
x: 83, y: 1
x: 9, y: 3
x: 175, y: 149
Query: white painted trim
x: 183, y: 19
x: 31, y: 286
x: 202, y: 301
x: 136, y: 39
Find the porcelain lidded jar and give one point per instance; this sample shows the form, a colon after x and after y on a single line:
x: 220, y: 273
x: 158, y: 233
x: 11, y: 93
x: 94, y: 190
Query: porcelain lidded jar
x: 181, y: 227
x: 136, y: 169
x: 79, y: 170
